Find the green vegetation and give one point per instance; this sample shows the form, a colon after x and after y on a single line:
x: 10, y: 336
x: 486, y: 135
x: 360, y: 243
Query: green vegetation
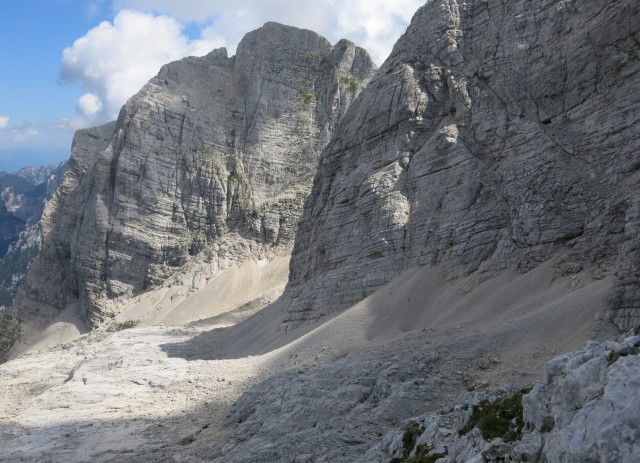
x: 124, y: 325
x: 352, y: 84
x: 410, y: 436
x: 502, y: 418
x: 422, y: 452
x: 615, y: 355
x: 307, y: 97
x: 424, y: 455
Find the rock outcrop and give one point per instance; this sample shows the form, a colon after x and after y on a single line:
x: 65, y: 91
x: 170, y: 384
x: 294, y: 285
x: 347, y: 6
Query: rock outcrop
x: 586, y: 410
x: 497, y: 135
x: 210, y: 163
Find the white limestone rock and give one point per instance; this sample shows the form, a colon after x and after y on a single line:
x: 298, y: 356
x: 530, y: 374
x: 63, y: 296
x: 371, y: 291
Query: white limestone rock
x: 208, y: 165
x: 586, y: 410
x: 498, y: 134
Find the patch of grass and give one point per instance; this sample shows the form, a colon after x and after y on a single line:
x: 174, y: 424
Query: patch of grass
x: 124, y: 325
x: 423, y: 452
x: 615, y: 355
x: 422, y: 455
x: 352, y: 84
x: 410, y: 436
x: 502, y: 418
x: 307, y: 96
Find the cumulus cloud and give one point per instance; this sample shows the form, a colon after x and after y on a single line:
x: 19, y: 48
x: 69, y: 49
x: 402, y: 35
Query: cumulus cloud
x: 89, y: 104
x: 4, y: 122
x: 372, y: 24
x: 115, y: 59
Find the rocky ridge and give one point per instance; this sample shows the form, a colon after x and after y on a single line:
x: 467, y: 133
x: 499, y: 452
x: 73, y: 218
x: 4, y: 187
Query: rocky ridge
x: 22, y: 199
x: 206, y: 166
x: 585, y: 410
x: 23, y: 196
x: 460, y: 182
x: 497, y: 135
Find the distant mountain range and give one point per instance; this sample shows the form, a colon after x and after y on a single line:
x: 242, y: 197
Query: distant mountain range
x: 22, y: 198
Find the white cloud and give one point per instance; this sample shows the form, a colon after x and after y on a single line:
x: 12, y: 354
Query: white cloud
x: 372, y: 24
x: 89, y: 104
x: 114, y: 60
x: 4, y: 122
x: 375, y: 24
x: 24, y: 135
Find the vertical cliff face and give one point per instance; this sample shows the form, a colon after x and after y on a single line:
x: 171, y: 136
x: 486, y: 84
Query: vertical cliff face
x: 209, y: 162
x: 497, y: 134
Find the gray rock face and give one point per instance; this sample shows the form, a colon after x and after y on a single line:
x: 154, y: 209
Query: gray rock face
x: 586, y: 410
x: 590, y: 401
x: 210, y: 161
x: 498, y: 134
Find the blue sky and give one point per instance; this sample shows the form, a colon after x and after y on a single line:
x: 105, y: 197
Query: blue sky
x: 69, y: 64
x: 32, y: 37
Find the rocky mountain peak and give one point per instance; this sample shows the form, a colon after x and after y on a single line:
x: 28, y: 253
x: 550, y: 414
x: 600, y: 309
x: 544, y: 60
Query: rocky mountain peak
x: 478, y: 198
x: 208, y: 165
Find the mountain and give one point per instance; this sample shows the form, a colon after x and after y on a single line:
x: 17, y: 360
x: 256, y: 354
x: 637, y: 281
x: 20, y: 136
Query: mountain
x: 473, y: 217
x: 496, y: 136
x: 207, y: 166
x: 38, y: 174
x: 23, y: 195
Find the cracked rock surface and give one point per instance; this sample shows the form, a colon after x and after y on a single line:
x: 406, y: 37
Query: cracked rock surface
x: 208, y: 165
x: 585, y: 410
x: 498, y: 134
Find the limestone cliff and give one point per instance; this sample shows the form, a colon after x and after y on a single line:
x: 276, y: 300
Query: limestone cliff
x: 497, y: 134
x: 209, y: 162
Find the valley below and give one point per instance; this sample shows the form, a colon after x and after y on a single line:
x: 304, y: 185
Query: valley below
x: 234, y: 387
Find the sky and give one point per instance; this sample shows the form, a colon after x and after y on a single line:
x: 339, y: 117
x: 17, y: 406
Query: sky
x: 72, y: 64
